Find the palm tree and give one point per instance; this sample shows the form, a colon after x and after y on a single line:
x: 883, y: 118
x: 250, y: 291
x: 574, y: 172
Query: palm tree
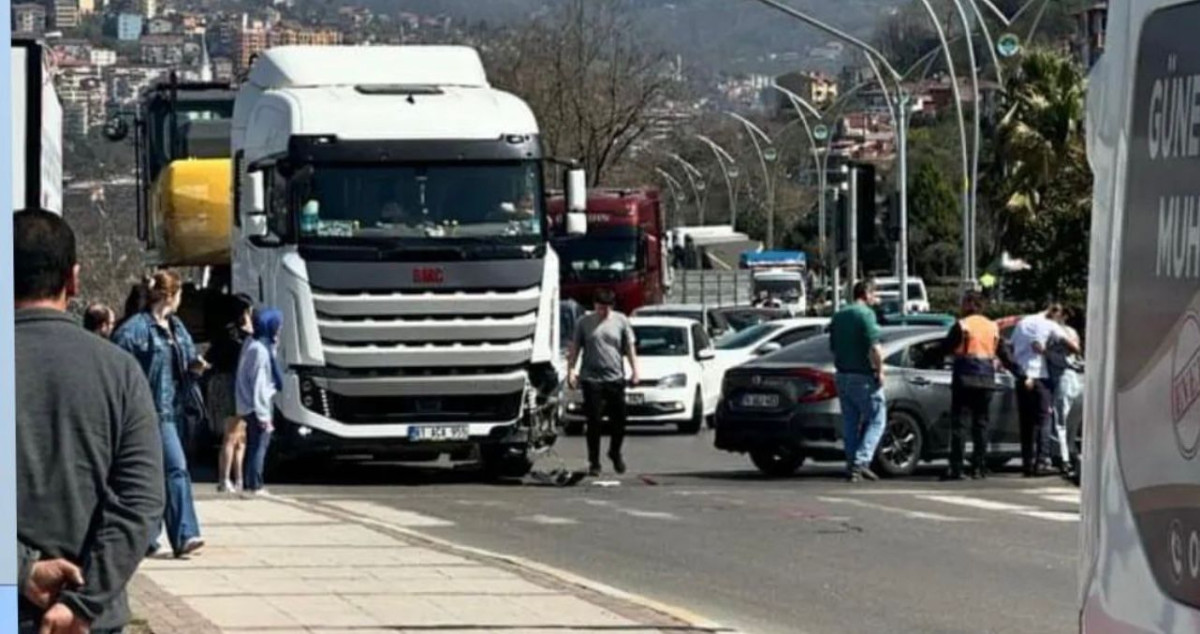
x: 1041, y: 133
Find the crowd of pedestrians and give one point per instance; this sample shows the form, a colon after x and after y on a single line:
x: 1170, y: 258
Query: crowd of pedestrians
x: 103, y: 416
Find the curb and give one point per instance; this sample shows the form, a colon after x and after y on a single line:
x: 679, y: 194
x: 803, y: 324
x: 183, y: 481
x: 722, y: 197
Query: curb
x: 689, y: 618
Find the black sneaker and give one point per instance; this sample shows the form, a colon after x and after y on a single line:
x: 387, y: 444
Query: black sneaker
x: 618, y: 462
x: 854, y: 476
x: 595, y: 470
x: 867, y: 474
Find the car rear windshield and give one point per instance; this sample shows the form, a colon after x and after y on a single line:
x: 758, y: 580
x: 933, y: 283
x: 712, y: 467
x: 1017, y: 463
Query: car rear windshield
x: 747, y: 337
x: 815, y: 350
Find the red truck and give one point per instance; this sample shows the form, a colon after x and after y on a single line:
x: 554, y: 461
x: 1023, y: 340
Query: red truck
x: 622, y: 250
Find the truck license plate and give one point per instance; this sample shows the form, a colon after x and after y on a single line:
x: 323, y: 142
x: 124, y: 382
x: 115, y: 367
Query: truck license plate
x: 763, y: 401
x: 435, y: 433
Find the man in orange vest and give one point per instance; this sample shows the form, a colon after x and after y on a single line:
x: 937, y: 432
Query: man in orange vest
x: 974, y: 342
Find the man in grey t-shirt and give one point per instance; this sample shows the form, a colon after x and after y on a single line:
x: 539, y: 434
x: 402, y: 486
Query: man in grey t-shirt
x: 605, y: 339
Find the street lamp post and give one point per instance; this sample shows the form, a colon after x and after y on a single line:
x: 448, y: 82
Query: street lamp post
x: 675, y: 187
x: 692, y: 172
x: 730, y: 172
x: 820, y: 160
x: 764, y: 156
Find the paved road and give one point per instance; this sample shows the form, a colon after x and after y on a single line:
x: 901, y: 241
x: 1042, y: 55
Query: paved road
x: 701, y: 530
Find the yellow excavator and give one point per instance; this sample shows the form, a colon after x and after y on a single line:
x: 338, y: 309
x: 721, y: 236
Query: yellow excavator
x: 181, y: 140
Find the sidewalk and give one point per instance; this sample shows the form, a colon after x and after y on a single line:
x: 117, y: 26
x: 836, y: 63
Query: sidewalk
x: 278, y: 565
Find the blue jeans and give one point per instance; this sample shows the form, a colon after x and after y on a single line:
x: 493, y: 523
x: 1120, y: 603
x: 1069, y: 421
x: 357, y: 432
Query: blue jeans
x: 258, y: 440
x: 864, y: 416
x: 180, y: 514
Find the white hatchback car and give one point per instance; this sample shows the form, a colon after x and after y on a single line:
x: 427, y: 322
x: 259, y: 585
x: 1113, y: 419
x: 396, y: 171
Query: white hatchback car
x: 679, y: 382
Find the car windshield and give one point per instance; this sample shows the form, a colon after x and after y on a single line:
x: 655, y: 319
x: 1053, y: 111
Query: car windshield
x: 692, y: 315
x: 606, y: 254
x: 470, y: 200
x: 747, y: 337
x: 661, y: 341
x: 743, y: 319
x: 892, y: 289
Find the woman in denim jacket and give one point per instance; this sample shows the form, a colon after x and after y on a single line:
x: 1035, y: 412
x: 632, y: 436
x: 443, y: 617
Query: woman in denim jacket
x: 165, y: 350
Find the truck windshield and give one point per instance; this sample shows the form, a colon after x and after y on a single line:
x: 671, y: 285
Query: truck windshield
x: 440, y: 202
x: 604, y: 254
x: 778, y: 288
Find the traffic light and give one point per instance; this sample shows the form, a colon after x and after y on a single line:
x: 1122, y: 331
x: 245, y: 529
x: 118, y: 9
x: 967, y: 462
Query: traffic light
x: 841, y: 210
x: 892, y: 216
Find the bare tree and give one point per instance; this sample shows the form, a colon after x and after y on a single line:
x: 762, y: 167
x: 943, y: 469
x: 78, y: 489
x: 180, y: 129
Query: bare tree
x: 586, y: 75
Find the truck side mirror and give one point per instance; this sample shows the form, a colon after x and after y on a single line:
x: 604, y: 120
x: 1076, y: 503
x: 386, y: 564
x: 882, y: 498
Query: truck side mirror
x: 576, y: 189
x: 257, y: 225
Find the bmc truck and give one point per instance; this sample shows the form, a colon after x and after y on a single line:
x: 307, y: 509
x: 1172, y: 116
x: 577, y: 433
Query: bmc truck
x: 37, y: 179
x: 623, y: 249
x: 392, y: 204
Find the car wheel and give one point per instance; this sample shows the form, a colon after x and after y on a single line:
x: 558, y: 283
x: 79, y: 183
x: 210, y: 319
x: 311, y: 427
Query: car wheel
x: 694, y: 425
x: 777, y: 462
x: 900, y: 448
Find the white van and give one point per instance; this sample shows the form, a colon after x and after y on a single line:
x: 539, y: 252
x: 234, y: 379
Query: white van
x: 1140, y: 537
x: 888, y: 288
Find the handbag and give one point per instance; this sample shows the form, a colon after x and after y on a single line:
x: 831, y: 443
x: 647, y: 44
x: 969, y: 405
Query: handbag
x: 191, y: 393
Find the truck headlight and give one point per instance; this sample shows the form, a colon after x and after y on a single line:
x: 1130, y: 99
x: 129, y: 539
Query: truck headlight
x: 674, y: 380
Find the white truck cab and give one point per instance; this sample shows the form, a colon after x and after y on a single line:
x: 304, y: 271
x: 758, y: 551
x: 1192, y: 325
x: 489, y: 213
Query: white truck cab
x: 392, y: 204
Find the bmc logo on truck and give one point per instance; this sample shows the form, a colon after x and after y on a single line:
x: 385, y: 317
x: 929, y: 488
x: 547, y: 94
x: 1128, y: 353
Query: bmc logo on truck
x: 429, y: 275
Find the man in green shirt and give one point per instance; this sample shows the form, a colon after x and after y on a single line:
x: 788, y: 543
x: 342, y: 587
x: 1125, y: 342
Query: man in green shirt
x: 854, y: 339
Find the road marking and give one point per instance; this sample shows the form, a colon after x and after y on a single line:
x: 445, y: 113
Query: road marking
x: 1002, y: 507
x: 1063, y: 498
x: 909, y: 513
x: 649, y: 515
x: 487, y: 503
x: 387, y: 514
x: 547, y: 520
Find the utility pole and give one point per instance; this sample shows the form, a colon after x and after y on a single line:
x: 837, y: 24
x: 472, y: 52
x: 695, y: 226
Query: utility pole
x: 852, y: 229
x: 836, y: 285
x: 902, y: 131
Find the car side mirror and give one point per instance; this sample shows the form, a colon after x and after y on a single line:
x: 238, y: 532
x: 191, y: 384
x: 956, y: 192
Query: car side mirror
x: 768, y: 348
x: 705, y: 354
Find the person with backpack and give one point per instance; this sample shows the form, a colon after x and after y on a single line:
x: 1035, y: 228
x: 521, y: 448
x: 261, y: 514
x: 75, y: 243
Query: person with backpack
x: 157, y: 338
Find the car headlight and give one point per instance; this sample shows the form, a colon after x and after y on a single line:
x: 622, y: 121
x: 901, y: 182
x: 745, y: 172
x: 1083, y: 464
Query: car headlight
x: 674, y: 380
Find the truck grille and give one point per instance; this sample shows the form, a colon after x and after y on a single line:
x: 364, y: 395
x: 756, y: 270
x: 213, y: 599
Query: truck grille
x: 427, y: 329
x: 357, y: 410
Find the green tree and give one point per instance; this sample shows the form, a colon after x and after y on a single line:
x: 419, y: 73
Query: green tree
x: 934, y: 222
x: 1040, y: 180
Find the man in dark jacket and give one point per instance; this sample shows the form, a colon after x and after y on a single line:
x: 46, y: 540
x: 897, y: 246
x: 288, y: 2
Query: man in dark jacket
x: 89, y: 458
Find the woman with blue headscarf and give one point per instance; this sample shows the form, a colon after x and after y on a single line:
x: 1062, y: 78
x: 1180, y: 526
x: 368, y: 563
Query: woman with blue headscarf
x: 258, y: 380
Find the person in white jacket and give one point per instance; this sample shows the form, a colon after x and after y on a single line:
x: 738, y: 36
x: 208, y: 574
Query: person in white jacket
x: 258, y: 380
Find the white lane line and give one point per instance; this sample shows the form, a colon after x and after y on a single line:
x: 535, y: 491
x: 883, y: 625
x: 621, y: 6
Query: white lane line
x: 909, y: 513
x: 1062, y: 498
x: 1001, y: 507
x: 387, y: 514
x: 547, y: 520
x: 649, y: 515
